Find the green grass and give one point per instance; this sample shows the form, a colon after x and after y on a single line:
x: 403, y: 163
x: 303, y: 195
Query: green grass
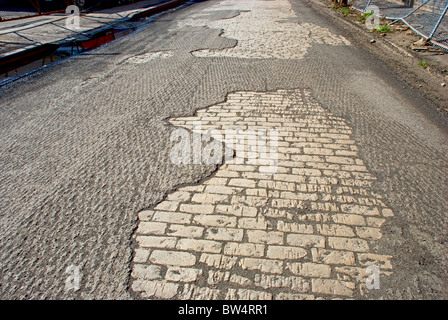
x: 423, y: 64
x: 364, y: 16
x: 384, y: 28
x: 344, y: 10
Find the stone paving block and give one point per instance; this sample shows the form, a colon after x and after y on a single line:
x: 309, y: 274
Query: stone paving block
x: 244, y: 249
x: 304, y: 231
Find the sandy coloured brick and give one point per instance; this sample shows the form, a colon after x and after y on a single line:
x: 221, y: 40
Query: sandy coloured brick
x: 197, y: 208
x: 387, y: 212
x: 263, y: 265
x: 296, y: 177
x: 156, y: 288
x: 218, y: 261
x: 291, y: 164
x: 293, y: 296
x: 285, y: 252
x: 196, y: 188
x: 294, y: 227
x: 208, y: 198
x: 323, y: 166
x: 349, y: 219
x: 245, y: 183
x: 237, y: 210
x: 368, y: 233
x: 215, y: 220
x: 333, y: 287
x: 244, y: 249
x: 375, y: 222
x: 306, y: 172
x: 382, y: 261
x: 344, y: 141
x: 221, y: 190
x: 179, y: 230
x: 286, y: 203
x: 179, y: 196
x: 353, y: 274
x: 156, y: 228
x: 335, y: 230
x: 172, y: 258
x: 178, y: 274
x: 250, y: 201
x: 307, y: 158
x: 348, y: 244
x: 241, y: 167
x: 156, y: 242
x: 268, y: 281
x: 346, y: 153
x: 146, y: 272
x: 145, y: 215
x: 216, y: 181
x: 265, y: 237
x: 335, y: 136
x: 245, y: 294
x: 322, y: 180
x: 259, y: 223
x: 308, y: 269
x: 216, y: 277
x: 333, y: 257
x: 299, y: 196
x: 198, y: 245
x: 141, y: 255
x: 224, y: 234
x: 305, y: 240
x: 361, y: 210
x: 318, y: 151
x: 167, y: 206
x: 171, y: 217
x: 257, y: 192
x: 277, y: 185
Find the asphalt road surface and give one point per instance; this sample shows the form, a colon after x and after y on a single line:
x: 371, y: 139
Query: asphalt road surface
x: 85, y: 158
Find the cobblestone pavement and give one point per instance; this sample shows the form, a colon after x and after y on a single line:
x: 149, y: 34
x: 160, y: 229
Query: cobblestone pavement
x: 263, y: 31
x: 87, y: 179
x: 300, y: 233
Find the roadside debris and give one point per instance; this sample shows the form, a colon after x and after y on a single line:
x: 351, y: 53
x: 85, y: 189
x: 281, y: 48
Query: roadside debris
x: 420, y: 45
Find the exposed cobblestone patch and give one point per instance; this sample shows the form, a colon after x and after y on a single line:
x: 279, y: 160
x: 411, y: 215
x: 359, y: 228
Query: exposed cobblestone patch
x: 263, y: 32
x: 304, y: 232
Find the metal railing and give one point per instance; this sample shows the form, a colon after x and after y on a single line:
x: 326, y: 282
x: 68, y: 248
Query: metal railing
x: 427, y: 18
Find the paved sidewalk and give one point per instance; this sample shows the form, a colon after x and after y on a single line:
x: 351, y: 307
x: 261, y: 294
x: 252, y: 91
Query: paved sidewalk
x: 52, y: 28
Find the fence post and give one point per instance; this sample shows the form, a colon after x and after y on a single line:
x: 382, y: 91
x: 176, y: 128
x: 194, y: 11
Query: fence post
x: 438, y: 23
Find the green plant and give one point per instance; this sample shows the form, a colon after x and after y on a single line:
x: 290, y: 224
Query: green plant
x: 364, y: 16
x: 423, y: 64
x: 384, y: 28
x: 344, y: 10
